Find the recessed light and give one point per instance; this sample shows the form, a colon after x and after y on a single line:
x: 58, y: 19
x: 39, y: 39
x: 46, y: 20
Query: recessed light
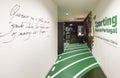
x: 67, y: 13
x: 71, y: 24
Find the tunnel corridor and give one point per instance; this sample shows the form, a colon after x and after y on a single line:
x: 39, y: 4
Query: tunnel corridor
x: 76, y: 61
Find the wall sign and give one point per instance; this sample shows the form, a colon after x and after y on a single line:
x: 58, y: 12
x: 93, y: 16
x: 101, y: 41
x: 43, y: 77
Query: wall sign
x: 109, y: 22
x: 107, y: 25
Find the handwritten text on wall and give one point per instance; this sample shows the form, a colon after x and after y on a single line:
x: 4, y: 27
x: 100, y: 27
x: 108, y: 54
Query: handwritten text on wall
x: 25, y: 26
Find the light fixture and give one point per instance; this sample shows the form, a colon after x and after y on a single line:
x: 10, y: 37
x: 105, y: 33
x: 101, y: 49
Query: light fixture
x: 67, y: 13
x: 79, y: 34
x: 71, y: 24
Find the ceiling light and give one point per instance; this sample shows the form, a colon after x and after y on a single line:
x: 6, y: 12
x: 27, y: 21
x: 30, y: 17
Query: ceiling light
x: 67, y: 13
x: 71, y: 24
x: 79, y: 18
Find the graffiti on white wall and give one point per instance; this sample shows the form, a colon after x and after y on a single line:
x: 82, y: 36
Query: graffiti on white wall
x: 24, y: 26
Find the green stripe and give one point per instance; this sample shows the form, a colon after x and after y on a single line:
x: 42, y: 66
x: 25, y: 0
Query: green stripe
x: 73, y: 53
x: 76, y: 61
x: 75, y: 49
x: 67, y: 58
x: 86, y: 71
x: 71, y: 71
x: 62, y: 64
x: 70, y: 45
x: 77, y: 46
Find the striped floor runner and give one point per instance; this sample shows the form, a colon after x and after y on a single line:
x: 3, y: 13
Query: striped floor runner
x: 75, y: 62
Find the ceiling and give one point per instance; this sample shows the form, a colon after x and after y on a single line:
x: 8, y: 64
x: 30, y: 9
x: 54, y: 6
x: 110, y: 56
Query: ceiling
x: 74, y: 10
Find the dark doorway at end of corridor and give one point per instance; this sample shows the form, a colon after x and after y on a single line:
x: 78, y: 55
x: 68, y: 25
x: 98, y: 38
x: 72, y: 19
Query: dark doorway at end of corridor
x: 75, y: 32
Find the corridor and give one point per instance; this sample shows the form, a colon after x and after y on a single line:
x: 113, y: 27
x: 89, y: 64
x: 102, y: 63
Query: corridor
x: 59, y: 39
x: 76, y: 61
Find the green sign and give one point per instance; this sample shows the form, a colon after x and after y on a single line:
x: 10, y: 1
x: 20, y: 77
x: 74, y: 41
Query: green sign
x: 107, y: 24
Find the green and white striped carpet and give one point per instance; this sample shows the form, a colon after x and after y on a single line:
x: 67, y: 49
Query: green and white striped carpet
x: 75, y: 62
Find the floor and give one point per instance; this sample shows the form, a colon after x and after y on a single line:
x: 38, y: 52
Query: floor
x: 77, y: 61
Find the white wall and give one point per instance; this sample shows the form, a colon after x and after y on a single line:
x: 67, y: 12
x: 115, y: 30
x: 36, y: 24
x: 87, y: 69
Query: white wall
x: 28, y: 38
x: 107, y: 53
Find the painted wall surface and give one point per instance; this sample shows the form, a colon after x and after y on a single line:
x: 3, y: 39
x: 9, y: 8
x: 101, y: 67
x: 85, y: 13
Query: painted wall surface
x: 28, y: 38
x: 107, y: 37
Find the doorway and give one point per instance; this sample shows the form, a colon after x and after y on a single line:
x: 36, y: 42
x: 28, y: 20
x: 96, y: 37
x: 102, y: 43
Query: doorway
x: 75, y: 32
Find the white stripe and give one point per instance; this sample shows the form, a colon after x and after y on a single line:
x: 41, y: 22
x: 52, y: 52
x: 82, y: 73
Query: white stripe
x: 48, y: 77
x: 79, y: 73
x: 70, y: 65
x: 76, y: 48
x: 71, y: 52
x: 53, y: 68
x: 89, y: 50
x: 76, y: 45
x: 71, y: 57
x: 66, y: 46
x: 60, y: 57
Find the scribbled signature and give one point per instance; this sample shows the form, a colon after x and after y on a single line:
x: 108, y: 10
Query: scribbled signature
x: 24, y: 25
